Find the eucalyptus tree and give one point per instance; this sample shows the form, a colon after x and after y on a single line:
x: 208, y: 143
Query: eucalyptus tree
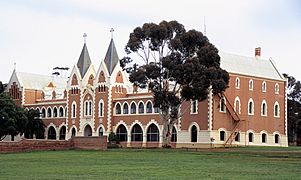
x: 175, y: 65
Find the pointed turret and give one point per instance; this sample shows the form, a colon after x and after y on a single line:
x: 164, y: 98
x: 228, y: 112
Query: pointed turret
x: 84, y: 61
x: 111, y: 58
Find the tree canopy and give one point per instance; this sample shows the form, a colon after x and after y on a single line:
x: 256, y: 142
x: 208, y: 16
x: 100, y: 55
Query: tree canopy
x: 177, y: 65
x: 15, y: 120
x: 293, y: 108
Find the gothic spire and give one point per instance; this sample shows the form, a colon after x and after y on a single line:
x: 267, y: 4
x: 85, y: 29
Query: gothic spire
x: 111, y: 58
x: 84, y: 61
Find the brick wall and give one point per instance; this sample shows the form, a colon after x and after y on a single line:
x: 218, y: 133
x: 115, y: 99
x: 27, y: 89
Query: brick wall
x: 91, y: 143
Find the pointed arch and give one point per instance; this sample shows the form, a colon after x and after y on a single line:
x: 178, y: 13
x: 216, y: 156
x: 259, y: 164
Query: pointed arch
x: 251, y: 107
x: 133, y: 107
x: 237, y: 83
x: 61, y: 111
x: 141, y: 107
x: 121, y: 132
x: 73, y: 109
x: 264, y: 86
x: 51, y: 132
x: 237, y: 105
x: 194, y: 131
x: 87, y: 130
x: 63, y: 132
x: 251, y: 84
x: 49, y: 112
x: 74, y: 80
x: 117, y: 108
x: 43, y: 112
x: 264, y: 111
x: 276, y: 110
x: 152, y: 133
x: 101, y: 108
x: 149, y: 107
x: 125, y: 109
x: 55, y: 113
x: 136, y: 132
x: 277, y: 89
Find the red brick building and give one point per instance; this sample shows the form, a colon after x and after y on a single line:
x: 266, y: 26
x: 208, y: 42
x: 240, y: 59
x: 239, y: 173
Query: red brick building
x: 95, y: 102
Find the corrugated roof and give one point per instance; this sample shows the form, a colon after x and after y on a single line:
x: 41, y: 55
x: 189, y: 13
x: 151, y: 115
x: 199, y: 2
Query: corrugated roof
x: 249, y: 66
x: 111, y: 58
x: 39, y: 82
x: 84, y: 61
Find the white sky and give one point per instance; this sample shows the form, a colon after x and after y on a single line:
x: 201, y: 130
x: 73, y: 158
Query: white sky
x: 39, y: 35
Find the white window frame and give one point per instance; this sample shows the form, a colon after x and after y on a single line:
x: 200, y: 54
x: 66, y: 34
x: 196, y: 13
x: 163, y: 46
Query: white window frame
x: 251, y: 100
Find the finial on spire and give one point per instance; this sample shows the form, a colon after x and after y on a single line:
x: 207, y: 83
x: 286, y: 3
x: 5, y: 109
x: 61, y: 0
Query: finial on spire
x: 85, y: 36
x: 205, y: 25
x: 15, y: 66
x: 112, y: 31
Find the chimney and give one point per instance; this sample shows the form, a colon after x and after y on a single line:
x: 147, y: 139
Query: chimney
x: 257, y: 52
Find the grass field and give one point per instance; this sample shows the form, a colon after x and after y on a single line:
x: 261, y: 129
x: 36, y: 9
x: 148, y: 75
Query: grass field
x: 236, y: 163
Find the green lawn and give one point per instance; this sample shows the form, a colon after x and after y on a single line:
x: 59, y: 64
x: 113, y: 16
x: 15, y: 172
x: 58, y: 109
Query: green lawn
x: 236, y: 163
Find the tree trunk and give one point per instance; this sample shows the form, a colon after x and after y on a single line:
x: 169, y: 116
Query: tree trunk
x: 166, y: 133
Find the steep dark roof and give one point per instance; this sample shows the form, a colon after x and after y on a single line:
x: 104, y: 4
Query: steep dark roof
x: 111, y: 58
x: 84, y: 61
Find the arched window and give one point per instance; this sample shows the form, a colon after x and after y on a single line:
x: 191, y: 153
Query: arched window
x: 88, y: 108
x: 100, y: 131
x: 222, y: 105
x: 73, y: 132
x: 194, y: 134
x: 153, y: 133
x: 49, y: 112
x: 137, y: 134
x: 51, y: 133
x: 141, y: 108
x: 101, y: 108
x: 251, y: 85
x: 63, y: 133
x: 251, y: 137
x: 54, y: 112
x: 237, y: 136
x: 61, y: 112
x: 237, y: 83
x: 174, y: 135
x: 277, y: 88
x: 133, y: 108
x: 264, y: 86
x: 73, y: 109
x: 118, y: 109
x: 125, y: 108
x: 264, y: 108
x: 121, y: 133
x: 222, y: 135
x: 263, y: 138
x: 88, y: 131
x: 276, y: 138
x: 149, y: 107
x: 193, y: 106
x: 43, y: 113
x: 237, y: 105
x: 276, y: 110
x: 251, y: 107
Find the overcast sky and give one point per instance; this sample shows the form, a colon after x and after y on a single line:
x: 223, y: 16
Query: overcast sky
x: 39, y: 35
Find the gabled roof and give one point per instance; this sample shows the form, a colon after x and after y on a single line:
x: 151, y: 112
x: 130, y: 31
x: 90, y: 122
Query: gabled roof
x: 250, y: 66
x: 111, y: 58
x: 84, y: 61
x: 39, y: 82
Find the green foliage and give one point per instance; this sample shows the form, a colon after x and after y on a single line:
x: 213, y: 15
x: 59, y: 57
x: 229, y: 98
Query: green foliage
x: 35, y: 125
x: 8, y: 116
x: 293, y: 108
x: 1, y: 87
x: 15, y: 120
x: 178, y: 66
x: 238, y: 163
x: 113, y: 138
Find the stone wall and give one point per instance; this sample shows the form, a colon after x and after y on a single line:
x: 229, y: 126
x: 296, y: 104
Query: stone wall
x: 87, y: 143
